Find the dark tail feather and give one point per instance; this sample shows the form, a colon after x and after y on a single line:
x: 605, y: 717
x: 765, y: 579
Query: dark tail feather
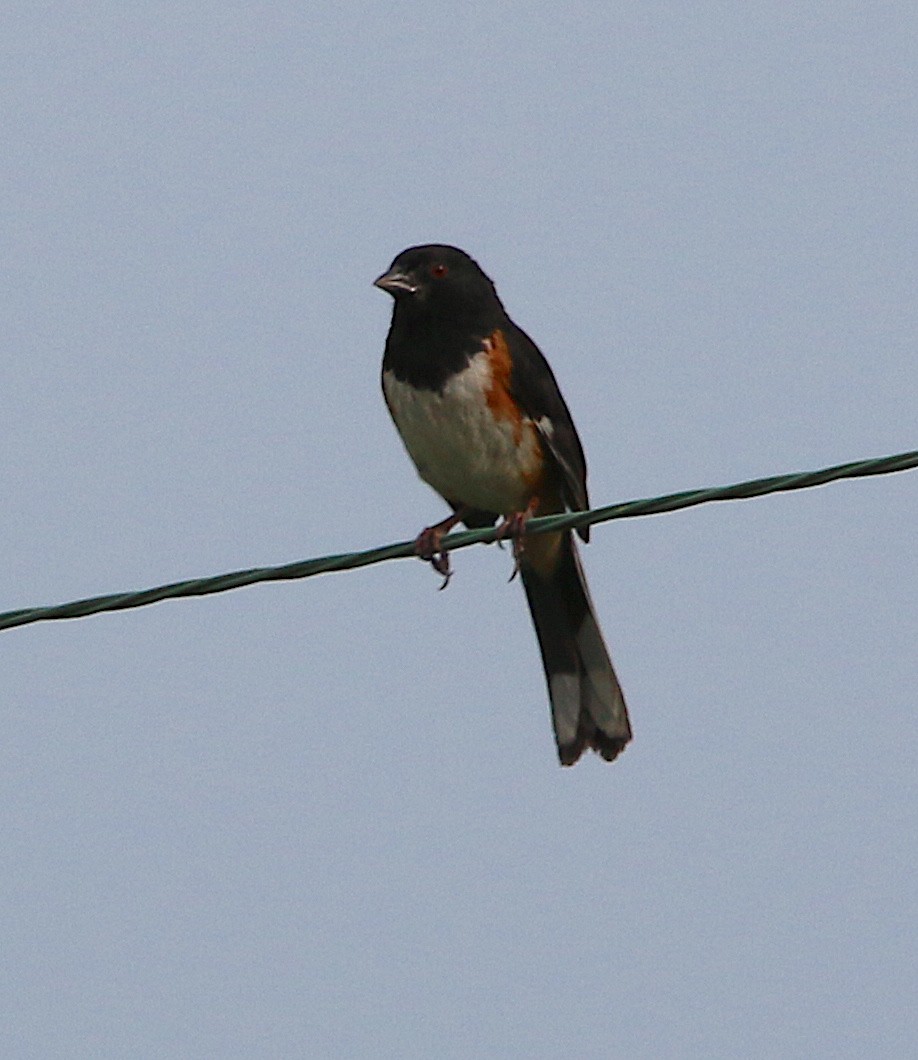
x: 587, y: 705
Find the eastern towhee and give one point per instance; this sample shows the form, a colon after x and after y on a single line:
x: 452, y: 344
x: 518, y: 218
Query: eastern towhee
x: 481, y: 416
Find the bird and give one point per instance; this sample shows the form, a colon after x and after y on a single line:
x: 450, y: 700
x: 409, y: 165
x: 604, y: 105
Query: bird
x: 481, y: 416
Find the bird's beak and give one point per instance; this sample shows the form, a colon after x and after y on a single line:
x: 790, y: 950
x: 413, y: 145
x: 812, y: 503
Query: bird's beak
x: 394, y: 281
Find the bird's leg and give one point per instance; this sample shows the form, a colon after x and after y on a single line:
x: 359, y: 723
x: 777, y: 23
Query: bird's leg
x: 427, y: 545
x: 514, y: 527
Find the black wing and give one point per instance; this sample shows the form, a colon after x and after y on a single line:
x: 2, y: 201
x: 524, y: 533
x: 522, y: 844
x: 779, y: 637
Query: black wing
x: 535, y: 390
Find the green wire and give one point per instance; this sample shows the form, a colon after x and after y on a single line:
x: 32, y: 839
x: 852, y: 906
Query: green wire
x: 221, y: 583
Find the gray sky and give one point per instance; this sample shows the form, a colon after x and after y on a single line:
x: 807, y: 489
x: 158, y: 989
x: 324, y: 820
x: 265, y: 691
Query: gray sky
x: 325, y: 818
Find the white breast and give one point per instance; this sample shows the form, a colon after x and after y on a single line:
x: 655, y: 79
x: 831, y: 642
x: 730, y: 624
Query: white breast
x: 459, y: 447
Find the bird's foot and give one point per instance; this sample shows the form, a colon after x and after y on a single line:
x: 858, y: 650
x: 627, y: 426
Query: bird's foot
x: 513, y: 528
x: 429, y: 546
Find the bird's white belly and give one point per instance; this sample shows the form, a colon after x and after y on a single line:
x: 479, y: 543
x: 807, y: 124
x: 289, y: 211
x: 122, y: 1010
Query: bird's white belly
x: 460, y: 447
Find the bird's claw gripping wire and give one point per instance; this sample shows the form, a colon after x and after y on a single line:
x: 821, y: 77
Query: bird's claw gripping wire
x: 429, y: 546
x: 513, y: 528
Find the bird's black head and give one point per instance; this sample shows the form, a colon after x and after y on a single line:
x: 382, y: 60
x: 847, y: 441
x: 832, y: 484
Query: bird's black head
x: 435, y: 279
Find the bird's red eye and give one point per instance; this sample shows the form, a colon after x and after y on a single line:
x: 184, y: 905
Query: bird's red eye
x: 438, y: 271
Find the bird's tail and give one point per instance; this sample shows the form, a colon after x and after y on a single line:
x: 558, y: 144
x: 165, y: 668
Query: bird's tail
x: 587, y: 705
